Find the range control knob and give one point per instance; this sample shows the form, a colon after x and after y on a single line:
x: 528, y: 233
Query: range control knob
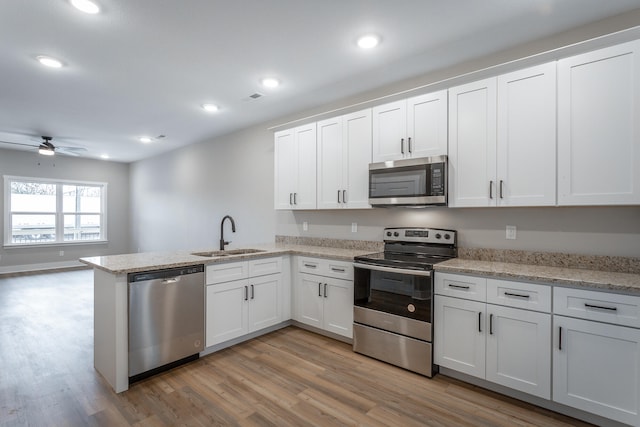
x: 396, y: 234
x: 389, y: 233
x: 438, y: 235
x: 447, y: 236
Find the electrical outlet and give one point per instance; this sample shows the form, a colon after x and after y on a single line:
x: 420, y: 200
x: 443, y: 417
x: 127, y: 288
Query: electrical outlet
x: 511, y: 232
x: 354, y: 227
x: 61, y: 253
x: 305, y: 226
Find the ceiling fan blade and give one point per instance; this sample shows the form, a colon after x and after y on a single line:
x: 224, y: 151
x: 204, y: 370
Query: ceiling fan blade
x: 74, y: 149
x: 18, y: 143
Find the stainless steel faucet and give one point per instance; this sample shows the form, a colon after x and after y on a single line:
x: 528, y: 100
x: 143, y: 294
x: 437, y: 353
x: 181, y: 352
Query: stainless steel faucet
x: 233, y: 229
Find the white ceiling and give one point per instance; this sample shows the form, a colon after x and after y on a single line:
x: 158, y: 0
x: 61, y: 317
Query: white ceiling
x: 144, y: 67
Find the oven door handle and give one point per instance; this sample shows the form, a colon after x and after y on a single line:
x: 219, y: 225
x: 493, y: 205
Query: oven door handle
x: 392, y: 269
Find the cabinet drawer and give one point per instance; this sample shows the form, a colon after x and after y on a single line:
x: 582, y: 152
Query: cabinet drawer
x: 264, y: 266
x: 599, y: 306
x: 326, y: 267
x: 529, y: 296
x: 225, y: 272
x: 461, y: 286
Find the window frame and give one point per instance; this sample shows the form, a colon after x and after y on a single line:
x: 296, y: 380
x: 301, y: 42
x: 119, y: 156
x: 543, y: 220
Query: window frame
x: 59, y: 213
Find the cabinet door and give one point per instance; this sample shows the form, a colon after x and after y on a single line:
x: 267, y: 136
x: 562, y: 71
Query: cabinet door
x: 285, y: 160
x: 519, y: 350
x: 427, y: 125
x: 596, y: 368
x: 599, y: 127
x: 459, y: 340
x: 357, y: 156
x: 389, y: 131
x: 472, y: 144
x: 264, y: 298
x: 338, y: 306
x: 330, y: 163
x: 305, y: 194
x: 310, y: 300
x: 526, y: 138
x: 226, y: 311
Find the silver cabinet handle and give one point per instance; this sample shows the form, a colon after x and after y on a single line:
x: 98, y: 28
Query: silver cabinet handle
x: 339, y: 197
x: 491, y: 189
x: 319, y: 289
x: 344, y: 196
x: 402, y: 145
x: 509, y: 294
x: 501, y: 185
x: 409, y: 144
x: 325, y: 290
x: 252, y: 292
x: 600, y: 307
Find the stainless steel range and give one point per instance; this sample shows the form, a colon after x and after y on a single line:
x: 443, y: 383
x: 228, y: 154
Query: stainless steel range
x: 393, y: 297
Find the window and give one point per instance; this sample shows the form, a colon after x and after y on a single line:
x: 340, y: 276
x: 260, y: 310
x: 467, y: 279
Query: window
x: 40, y: 212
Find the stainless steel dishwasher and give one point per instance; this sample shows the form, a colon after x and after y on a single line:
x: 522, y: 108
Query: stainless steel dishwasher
x: 166, y: 319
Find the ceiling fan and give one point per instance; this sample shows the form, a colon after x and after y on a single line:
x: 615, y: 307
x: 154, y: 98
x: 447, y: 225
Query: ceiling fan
x: 46, y: 147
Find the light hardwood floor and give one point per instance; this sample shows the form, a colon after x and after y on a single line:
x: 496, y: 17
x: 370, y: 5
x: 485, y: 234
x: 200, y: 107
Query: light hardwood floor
x: 287, y: 378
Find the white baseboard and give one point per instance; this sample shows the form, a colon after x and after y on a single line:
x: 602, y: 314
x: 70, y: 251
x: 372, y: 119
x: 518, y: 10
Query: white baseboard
x: 29, y: 268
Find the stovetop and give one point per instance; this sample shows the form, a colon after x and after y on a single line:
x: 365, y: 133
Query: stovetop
x: 413, y: 248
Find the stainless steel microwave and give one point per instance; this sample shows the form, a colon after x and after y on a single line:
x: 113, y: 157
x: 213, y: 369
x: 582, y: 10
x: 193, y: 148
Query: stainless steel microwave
x: 409, y: 182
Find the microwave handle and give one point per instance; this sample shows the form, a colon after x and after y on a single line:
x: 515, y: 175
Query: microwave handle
x: 392, y: 269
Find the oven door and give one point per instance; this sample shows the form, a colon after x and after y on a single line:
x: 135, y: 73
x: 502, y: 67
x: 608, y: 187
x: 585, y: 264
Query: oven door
x: 394, y: 299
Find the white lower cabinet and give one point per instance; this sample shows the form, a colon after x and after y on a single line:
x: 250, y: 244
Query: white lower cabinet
x: 239, y: 307
x: 502, y: 344
x: 325, y: 300
x: 596, y: 366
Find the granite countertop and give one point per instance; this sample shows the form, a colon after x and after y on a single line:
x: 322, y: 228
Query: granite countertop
x: 136, y: 262
x: 576, y: 277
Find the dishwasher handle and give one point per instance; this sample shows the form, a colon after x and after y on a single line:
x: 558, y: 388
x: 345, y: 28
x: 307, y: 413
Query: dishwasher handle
x: 165, y: 275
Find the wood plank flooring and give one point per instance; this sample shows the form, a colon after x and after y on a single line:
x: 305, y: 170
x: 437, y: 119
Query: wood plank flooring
x: 290, y: 377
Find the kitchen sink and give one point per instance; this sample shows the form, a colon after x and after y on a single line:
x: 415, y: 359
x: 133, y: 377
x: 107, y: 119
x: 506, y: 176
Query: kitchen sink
x: 212, y: 254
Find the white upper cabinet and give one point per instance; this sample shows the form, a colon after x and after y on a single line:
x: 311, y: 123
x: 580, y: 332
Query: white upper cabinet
x: 295, y: 168
x: 344, y: 154
x: 526, y: 174
x: 599, y: 127
x: 502, y: 148
x: 472, y: 144
x: 410, y: 128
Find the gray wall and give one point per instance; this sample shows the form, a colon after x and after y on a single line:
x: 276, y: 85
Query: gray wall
x: 31, y: 164
x: 179, y: 198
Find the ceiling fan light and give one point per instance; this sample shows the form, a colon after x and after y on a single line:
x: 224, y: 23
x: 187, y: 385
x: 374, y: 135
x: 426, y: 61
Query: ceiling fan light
x: 86, y: 6
x: 46, y: 151
x: 270, y: 82
x: 368, y: 41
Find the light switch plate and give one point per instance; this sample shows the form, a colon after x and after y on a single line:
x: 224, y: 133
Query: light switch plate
x: 511, y: 232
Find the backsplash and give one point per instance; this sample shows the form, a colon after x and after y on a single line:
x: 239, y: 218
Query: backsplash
x: 364, y: 245
x: 554, y: 259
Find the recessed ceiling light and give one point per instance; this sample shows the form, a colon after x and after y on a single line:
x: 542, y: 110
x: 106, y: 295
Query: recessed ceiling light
x: 86, y: 6
x: 145, y: 139
x: 270, y: 82
x: 49, y: 61
x: 104, y: 156
x: 368, y: 41
x: 211, y: 108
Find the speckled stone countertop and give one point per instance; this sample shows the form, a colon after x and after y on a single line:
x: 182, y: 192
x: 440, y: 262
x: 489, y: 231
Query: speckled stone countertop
x: 575, y: 277
x: 136, y: 262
